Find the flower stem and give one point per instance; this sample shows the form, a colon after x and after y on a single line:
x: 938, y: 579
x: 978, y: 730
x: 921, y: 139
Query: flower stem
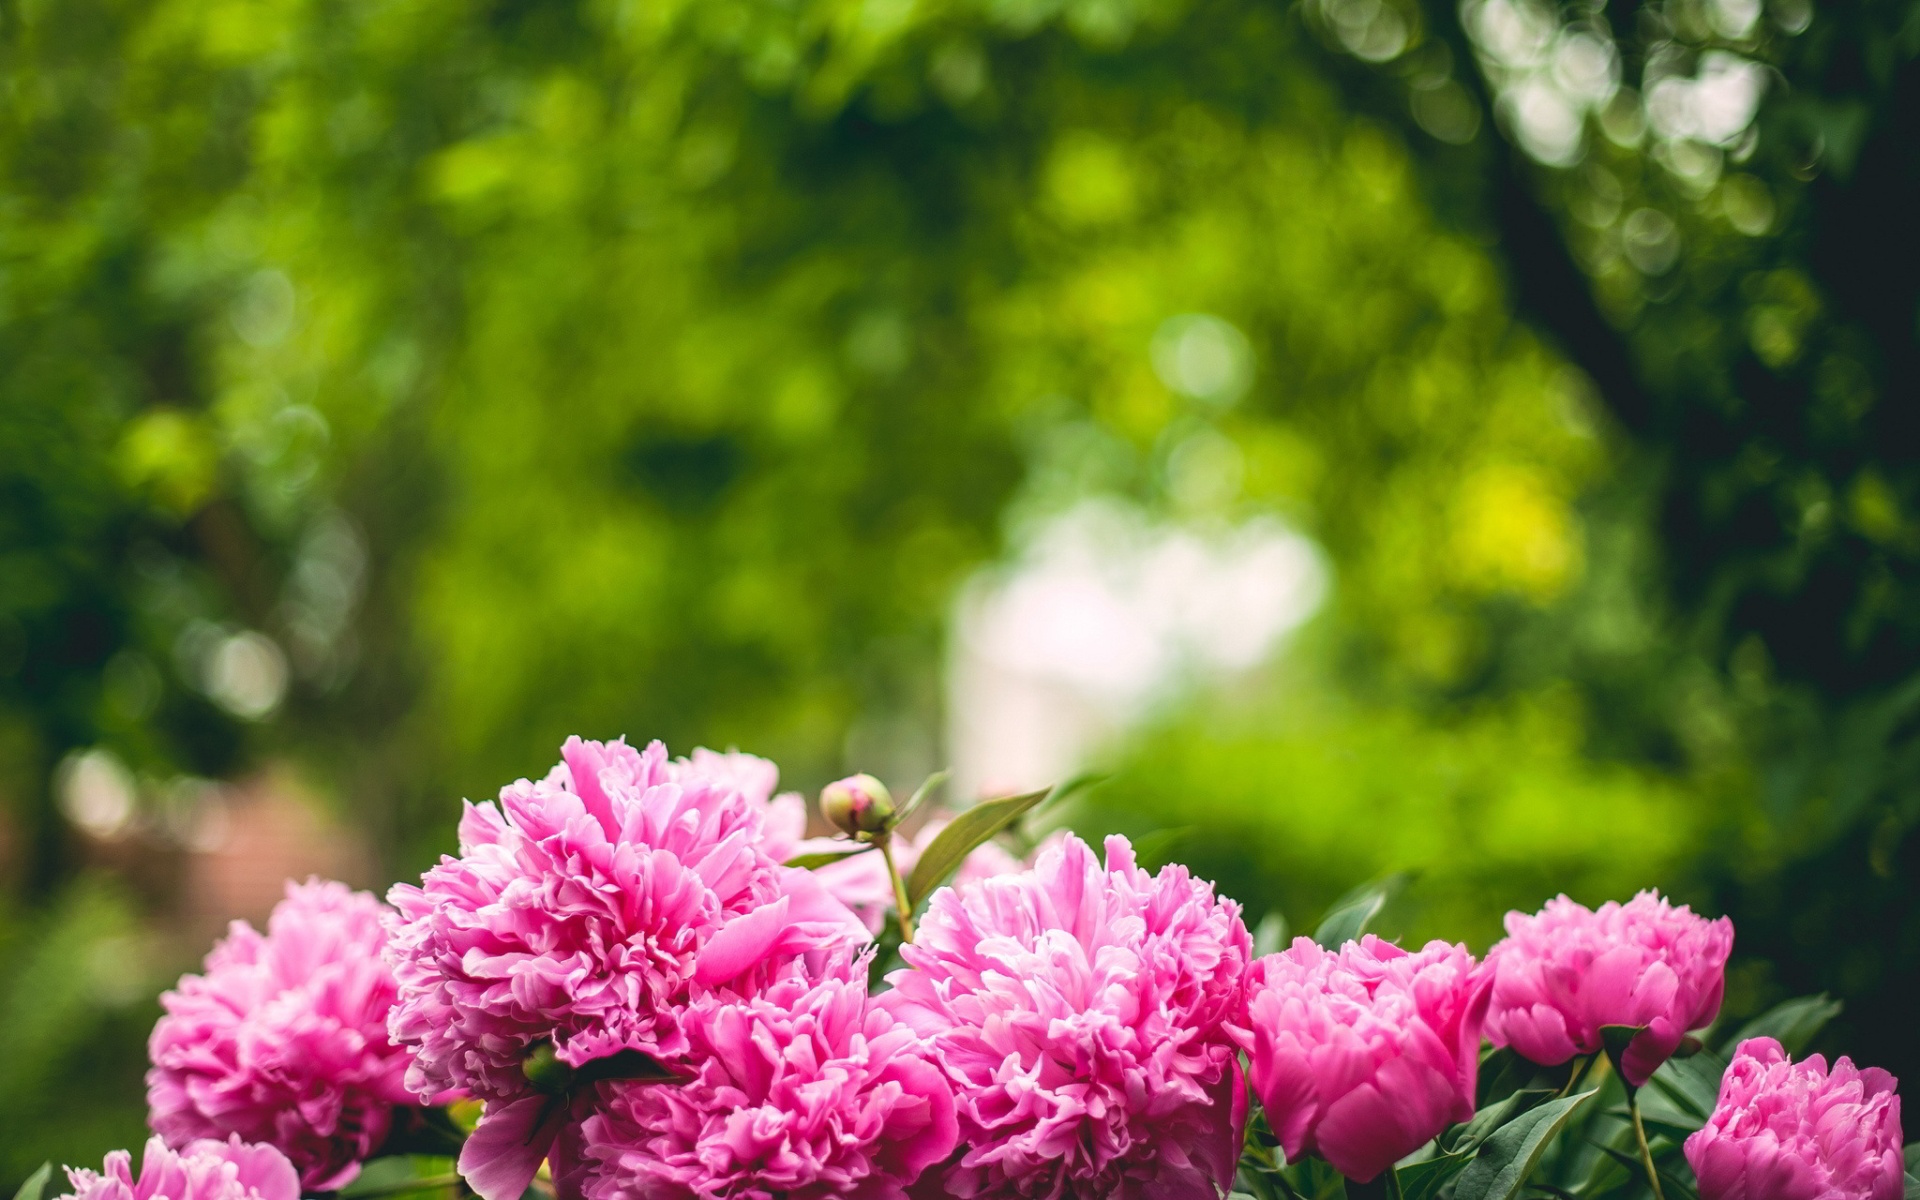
x: 885, y: 842
x: 1646, y: 1152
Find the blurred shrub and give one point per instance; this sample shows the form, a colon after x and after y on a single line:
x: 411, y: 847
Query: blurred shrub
x: 76, y: 1003
x: 1488, y: 809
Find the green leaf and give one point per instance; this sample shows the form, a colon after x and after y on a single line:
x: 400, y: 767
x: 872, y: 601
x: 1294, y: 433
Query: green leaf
x: 36, y: 1183
x: 1913, y: 1158
x: 1493, y: 1117
x: 1913, y: 1187
x: 1504, y: 1161
x: 1794, y: 1023
x: 970, y: 830
x: 1691, y: 1085
x: 1424, y: 1179
x: 1162, y: 845
x: 1353, y: 912
x: 1502, y: 1073
x: 1270, y: 935
x: 630, y: 1065
x: 1616, y: 1038
x: 809, y: 862
x: 925, y: 790
x: 391, y: 1177
x: 1675, y: 1187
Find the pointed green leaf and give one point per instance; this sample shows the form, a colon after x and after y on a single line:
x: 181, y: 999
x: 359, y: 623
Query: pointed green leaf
x: 1162, y: 845
x: 1616, y: 1038
x: 1502, y: 1073
x: 1504, y: 1161
x: 1270, y: 935
x: 36, y: 1183
x: 1352, y: 913
x: 1913, y: 1187
x: 925, y: 790
x: 810, y: 862
x: 1423, y: 1180
x: 970, y: 830
x: 1691, y: 1085
x: 1468, y: 1136
x: 630, y: 1064
x: 1794, y: 1024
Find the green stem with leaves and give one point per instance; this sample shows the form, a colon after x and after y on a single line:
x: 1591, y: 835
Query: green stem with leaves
x: 885, y: 842
x: 1640, y: 1136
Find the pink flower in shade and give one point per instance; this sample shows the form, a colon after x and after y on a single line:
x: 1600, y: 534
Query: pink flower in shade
x: 805, y: 1092
x: 204, y: 1170
x: 1793, y: 1131
x: 1363, y: 1054
x: 862, y: 884
x: 284, y: 1039
x: 588, y: 910
x: 1562, y: 974
x: 1081, y: 1014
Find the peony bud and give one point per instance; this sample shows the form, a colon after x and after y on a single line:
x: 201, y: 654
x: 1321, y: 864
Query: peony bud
x: 1363, y: 1054
x: 1795, y: 1131
x: 859, y: 805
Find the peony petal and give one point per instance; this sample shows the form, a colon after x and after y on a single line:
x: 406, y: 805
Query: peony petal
x: 505, y: 1150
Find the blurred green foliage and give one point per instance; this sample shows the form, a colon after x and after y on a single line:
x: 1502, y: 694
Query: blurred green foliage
x: 528, y: 367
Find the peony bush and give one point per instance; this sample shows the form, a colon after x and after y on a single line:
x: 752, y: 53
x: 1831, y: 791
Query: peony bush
x: 639, y: 979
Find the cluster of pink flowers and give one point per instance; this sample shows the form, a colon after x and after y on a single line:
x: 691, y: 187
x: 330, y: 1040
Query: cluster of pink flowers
x: 646, y: 1000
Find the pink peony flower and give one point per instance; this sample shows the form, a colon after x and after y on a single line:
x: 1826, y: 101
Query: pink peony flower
x: 204, y: 1170
x: 1363, y: 1054
x: 861, y: 882
x: 783, y: 816
x: 807, y: 1091
x: 1081, y: 1014
x: 1562, y: 974
x: 1792, y: 1131
x: 589, y: 910
x: 284, y: 1039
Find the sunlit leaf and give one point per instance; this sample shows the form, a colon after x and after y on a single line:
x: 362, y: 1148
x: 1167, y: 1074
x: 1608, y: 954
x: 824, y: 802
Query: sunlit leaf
x: 36, y: 1183
x: 967, y: 832
x: 809, y: 862
x: 925, y: 790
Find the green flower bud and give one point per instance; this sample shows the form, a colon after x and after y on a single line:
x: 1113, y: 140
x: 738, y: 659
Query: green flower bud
x: 859, y: 805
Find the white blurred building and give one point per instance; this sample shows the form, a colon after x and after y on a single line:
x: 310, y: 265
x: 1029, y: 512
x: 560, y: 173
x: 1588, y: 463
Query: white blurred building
x: 1104, y: 616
